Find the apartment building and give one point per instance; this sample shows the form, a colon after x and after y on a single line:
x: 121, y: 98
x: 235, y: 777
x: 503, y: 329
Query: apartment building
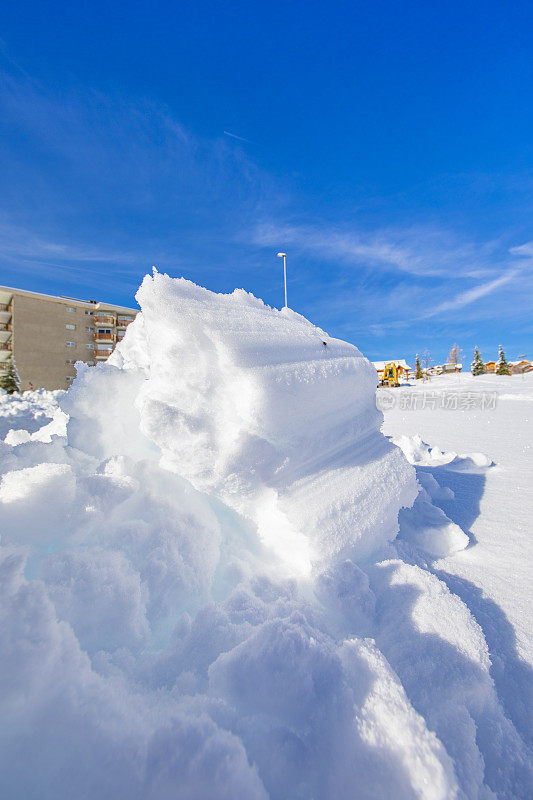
x: 44, y: 335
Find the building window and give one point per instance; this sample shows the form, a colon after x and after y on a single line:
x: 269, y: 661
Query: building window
x: 89, y: 313
x: 70, y: 344
x: 71, y: 309
x: 70, y: 377
x: 89, y: 346
x: 89, y: 329
x: 70, y: 361
x: 70, y: 327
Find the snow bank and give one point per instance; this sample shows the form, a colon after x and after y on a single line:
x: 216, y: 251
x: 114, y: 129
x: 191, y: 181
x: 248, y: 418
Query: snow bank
x: 258, y: 407
x: 194, y: 597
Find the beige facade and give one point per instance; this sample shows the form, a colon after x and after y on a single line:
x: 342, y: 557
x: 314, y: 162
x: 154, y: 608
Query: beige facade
x: 44, y: 336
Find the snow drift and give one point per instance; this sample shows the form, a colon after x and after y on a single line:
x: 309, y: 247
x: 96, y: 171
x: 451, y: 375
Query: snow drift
x: 201, y: 593
x: 261, y: 409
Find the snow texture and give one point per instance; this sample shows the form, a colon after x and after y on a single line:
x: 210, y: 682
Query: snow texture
x: 218, y: 578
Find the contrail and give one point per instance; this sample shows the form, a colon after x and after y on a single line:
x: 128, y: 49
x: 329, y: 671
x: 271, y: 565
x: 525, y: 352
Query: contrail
x: 234, y: 136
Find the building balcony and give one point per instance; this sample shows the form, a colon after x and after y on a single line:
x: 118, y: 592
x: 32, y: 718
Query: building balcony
x: 5, y: 351
x: 99, y: 354
x: 123, y: 322
x: 5, y: 315
x: 104, y: 337
x: 103, y: 319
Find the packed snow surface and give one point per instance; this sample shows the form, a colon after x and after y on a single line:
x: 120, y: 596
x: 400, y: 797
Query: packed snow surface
x: 220, y: 579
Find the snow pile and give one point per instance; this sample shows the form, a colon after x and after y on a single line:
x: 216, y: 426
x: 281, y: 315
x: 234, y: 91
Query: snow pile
x: 418, y: 452
x: 261, y: 408
x: 192, y: 570
x: 23, y: 417
x: 425, y: 525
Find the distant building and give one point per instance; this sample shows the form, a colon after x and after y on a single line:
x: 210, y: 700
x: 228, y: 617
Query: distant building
x: 446, y: 368
x: 402, y: 367
x: 45, y: 335
x: 520, y: 367
x: 490, y: 366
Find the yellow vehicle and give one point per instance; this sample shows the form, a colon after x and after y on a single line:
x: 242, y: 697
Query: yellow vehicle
x: 390, y: 375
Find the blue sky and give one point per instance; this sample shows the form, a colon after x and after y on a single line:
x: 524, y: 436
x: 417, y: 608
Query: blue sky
x: 385, y: 146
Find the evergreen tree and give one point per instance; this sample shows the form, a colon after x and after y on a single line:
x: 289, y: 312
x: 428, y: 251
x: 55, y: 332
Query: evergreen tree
x: 478, y: 367
x: 502, y: 367
x: 10, y: 381
x: 418, y: 374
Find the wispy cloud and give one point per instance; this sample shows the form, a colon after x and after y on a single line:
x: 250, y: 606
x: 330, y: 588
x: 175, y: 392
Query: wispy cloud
x: 415, y: 250
x: 20, y: 242
x: 523, y: 251
x: 471, y: 295
x: 393, y: 284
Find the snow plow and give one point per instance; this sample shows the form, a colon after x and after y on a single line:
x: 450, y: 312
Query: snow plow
x: 390, y: 375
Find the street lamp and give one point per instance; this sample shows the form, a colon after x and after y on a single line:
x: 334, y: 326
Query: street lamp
x: 284, y: 257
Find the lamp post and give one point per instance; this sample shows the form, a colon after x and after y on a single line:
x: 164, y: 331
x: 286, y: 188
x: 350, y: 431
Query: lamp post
x: 284, y: 257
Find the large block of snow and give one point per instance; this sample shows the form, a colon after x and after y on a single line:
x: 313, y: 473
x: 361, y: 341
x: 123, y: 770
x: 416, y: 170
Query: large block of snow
x: 270, y: 414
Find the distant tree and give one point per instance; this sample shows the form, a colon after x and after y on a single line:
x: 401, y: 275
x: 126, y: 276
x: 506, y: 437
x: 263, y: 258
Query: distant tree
x: 427, y: 362
x: 10, y: 381
x: 455, y: 355
x: 478, y: 367
x: 502, y: 368
x: 418, y: 374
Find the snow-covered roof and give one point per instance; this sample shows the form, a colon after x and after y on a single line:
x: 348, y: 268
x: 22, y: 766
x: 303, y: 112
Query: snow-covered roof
x: 400, y: 362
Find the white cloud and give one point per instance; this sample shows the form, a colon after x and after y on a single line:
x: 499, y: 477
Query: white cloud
x: 471, y: 295
x: 416, y: 250
x: 523, y: 251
